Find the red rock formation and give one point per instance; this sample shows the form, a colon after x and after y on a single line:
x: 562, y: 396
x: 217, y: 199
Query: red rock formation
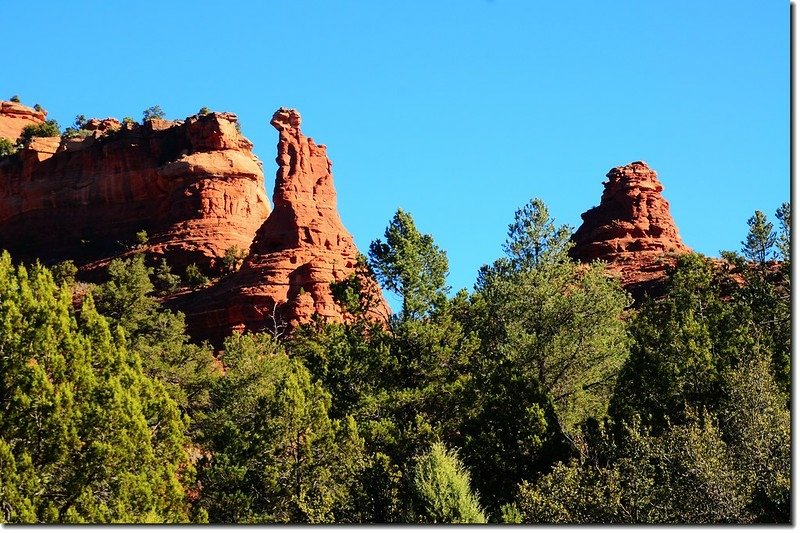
x: 632, y: 229
x: 15, y: 116
x: 297, y: 253
x: 194, y: 186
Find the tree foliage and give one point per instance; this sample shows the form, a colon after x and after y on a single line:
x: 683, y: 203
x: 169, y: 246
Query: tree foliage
x: 45, y: 129
x: 442, y: 490
x: 85, y: 435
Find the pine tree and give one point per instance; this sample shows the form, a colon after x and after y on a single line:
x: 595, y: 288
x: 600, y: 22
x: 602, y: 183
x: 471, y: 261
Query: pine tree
x: 442, y: 490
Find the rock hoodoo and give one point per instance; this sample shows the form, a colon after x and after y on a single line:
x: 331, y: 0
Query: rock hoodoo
x: 194, y: 186
x: 632, y: 228
x: 299, y: 251
x: 15, y: 116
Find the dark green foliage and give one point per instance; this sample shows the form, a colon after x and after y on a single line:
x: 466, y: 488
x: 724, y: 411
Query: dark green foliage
x: 153, y: 112
x: 37, y: 107
x: 278, y: 456
x: 7, y: 147
x: 552, y: 340
x: 565, y: 405
x: 164, y: 281
x: 64, y: 272
x: 409, y: 264
x: 85, y: 436
x: 682, y: 345
x: 760, y: 239
x: 15, y: 99
x: 45, y: 129
x: 204, y: 111
x: 195, y: 277
x: 158, y: 335
x: 128, y: 120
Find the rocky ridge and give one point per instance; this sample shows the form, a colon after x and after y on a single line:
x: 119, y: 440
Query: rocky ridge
x: 631, y: 230
x: 297, y: 253
x: 15, y: 116
x: 194, y: 186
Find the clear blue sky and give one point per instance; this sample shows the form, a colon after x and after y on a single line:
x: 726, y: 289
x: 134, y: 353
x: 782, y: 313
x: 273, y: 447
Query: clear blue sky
x: 458, y: 111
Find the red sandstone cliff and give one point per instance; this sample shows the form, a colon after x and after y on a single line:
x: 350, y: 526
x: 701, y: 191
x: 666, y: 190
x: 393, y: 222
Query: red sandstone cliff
x: 632, y: 228
x: 297, y: 253
x: 15, y: 116
x: 194, y: 186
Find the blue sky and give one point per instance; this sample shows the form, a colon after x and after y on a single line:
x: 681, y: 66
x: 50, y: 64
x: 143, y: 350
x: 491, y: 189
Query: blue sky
x: 458, y: 111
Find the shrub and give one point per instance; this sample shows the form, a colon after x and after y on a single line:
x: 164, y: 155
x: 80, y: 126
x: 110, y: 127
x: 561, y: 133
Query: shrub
x: 45, y: 129
x: 204, y: 111
x: 128, y: 120
x: 232, y: 259
x: 15, y: 99
x: 194, y: 277
x: 64, y: 272
x: 141, y: 238
x: 37, y: 107
x: 6, y: 147
x: 164, y: 280
x: 153, y: 112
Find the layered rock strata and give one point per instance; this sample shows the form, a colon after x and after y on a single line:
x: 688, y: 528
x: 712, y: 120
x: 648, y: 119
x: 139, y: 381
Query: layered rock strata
x: 194, y: 186
x: 632, y: 229
x: 299, y: 251
x: 15, y: 116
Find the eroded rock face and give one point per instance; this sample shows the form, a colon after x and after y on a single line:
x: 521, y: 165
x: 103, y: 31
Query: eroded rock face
x: 194, y: 186
x: 632, y: 229
x: 299, y: 251
x: 15, y: 116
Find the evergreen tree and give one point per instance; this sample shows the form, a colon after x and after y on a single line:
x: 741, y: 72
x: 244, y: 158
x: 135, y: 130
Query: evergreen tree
x: 276, y: 455
x: 85, y: 435
x: 760, y: 239
x: 410, y: 264
x: 442, y: 490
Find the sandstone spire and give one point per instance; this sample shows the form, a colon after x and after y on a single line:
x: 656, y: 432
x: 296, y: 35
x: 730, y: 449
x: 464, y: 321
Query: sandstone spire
x: 299, y: 251
x: 632, y: 228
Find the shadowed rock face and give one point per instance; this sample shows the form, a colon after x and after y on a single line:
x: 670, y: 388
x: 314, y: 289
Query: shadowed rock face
x: 299, y: 251
x: 194, y: 186
x: 632, y: 229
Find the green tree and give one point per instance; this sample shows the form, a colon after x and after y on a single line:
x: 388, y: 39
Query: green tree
x: 756, y: 423
x: 204, y: 111
x: 164, y: 281
x: 7, y: 147
x: 276, y: 455
x: 784, y: 237
x: 195, y: 277
x: 45, y: 129
x: 534, y: 238
x: 157, y: 335
x: 410, y: 264
x: 760, y: 239
x: 15, y: 99
x: 232, y: 259
x: 153, y: 112
x: 64, y: 272
x: 442, y: 490
x: 558, y: 321
x: 85, y: 435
